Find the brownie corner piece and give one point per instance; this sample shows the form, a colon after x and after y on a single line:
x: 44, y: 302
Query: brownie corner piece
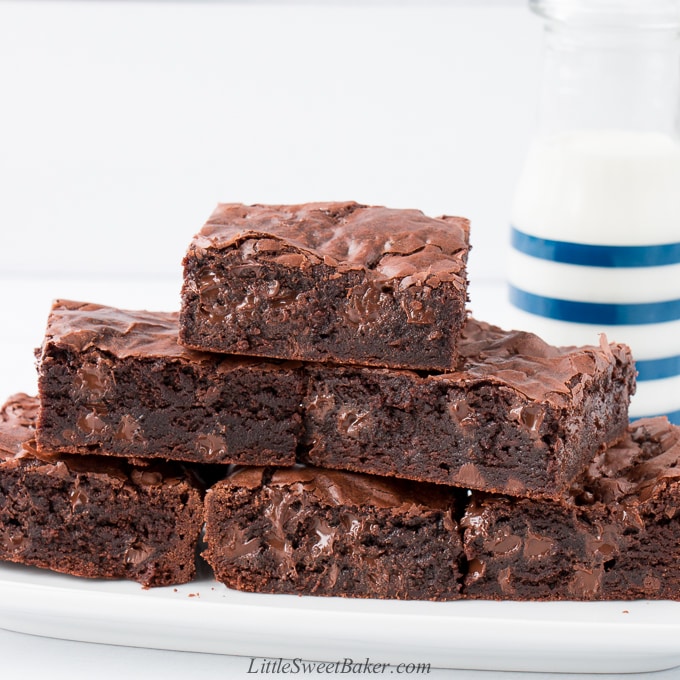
x: 118, y: 381
x: 322, y: 532
x: 92, y: 516
x: 330, y: 282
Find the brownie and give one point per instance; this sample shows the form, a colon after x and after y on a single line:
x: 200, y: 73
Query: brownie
x: 118, y: 382
x: 329, y: 282
x: 93, y: 516
x: 616, y: 537
x: 517, y: 416
x: 320, y: 532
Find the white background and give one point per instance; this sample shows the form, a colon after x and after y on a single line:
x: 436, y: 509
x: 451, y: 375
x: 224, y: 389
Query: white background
x: 123, y: 123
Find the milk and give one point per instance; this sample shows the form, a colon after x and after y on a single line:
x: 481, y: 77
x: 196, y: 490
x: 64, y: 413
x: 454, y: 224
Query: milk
x: 597, y: 221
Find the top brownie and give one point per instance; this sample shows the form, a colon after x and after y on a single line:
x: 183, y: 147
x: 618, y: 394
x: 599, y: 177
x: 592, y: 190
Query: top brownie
x: 330, y: 282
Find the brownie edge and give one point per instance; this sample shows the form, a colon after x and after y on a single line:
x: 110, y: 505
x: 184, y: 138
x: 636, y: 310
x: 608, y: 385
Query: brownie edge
x: 616, y: 537
x: 329, y: 282
x: 518, y: 416
x: 320, y: 532
x: 118, y: 382
x: 93, y: 516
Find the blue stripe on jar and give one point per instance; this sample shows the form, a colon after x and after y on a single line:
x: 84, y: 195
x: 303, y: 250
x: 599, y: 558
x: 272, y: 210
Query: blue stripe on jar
x: 656, y: 369
x: 598, y: 313
x: 595, y: 255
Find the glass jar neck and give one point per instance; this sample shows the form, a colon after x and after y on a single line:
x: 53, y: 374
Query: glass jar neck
x: 610, y: 77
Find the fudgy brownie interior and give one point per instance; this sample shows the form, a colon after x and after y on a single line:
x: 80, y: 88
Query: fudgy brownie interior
x: 93, y: 516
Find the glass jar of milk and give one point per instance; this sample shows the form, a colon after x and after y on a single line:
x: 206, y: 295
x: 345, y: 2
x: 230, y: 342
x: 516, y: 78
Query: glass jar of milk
x: 596, y: 218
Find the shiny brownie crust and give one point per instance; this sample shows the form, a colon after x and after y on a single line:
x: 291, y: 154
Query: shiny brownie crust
x: 118, y: 381
x: 518, y: 416
x: 329, y: 282
x: 321, y: 532
x: 92, y: 516
x: 617, y: 537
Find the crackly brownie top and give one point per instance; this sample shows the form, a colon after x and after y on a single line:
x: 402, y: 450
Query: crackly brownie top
x: 345, y: 488
x: 80, y: 326
x: 17, y: 426
x: 524, y: 362
x: 393, y: 244
x: 645, y: 461
x: 18, y: 418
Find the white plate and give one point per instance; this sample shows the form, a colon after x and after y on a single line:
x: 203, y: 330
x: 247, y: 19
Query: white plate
x: 204, y: 616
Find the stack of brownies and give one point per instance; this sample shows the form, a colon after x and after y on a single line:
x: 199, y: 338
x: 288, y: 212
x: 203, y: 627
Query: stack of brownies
x: 358, y: 433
